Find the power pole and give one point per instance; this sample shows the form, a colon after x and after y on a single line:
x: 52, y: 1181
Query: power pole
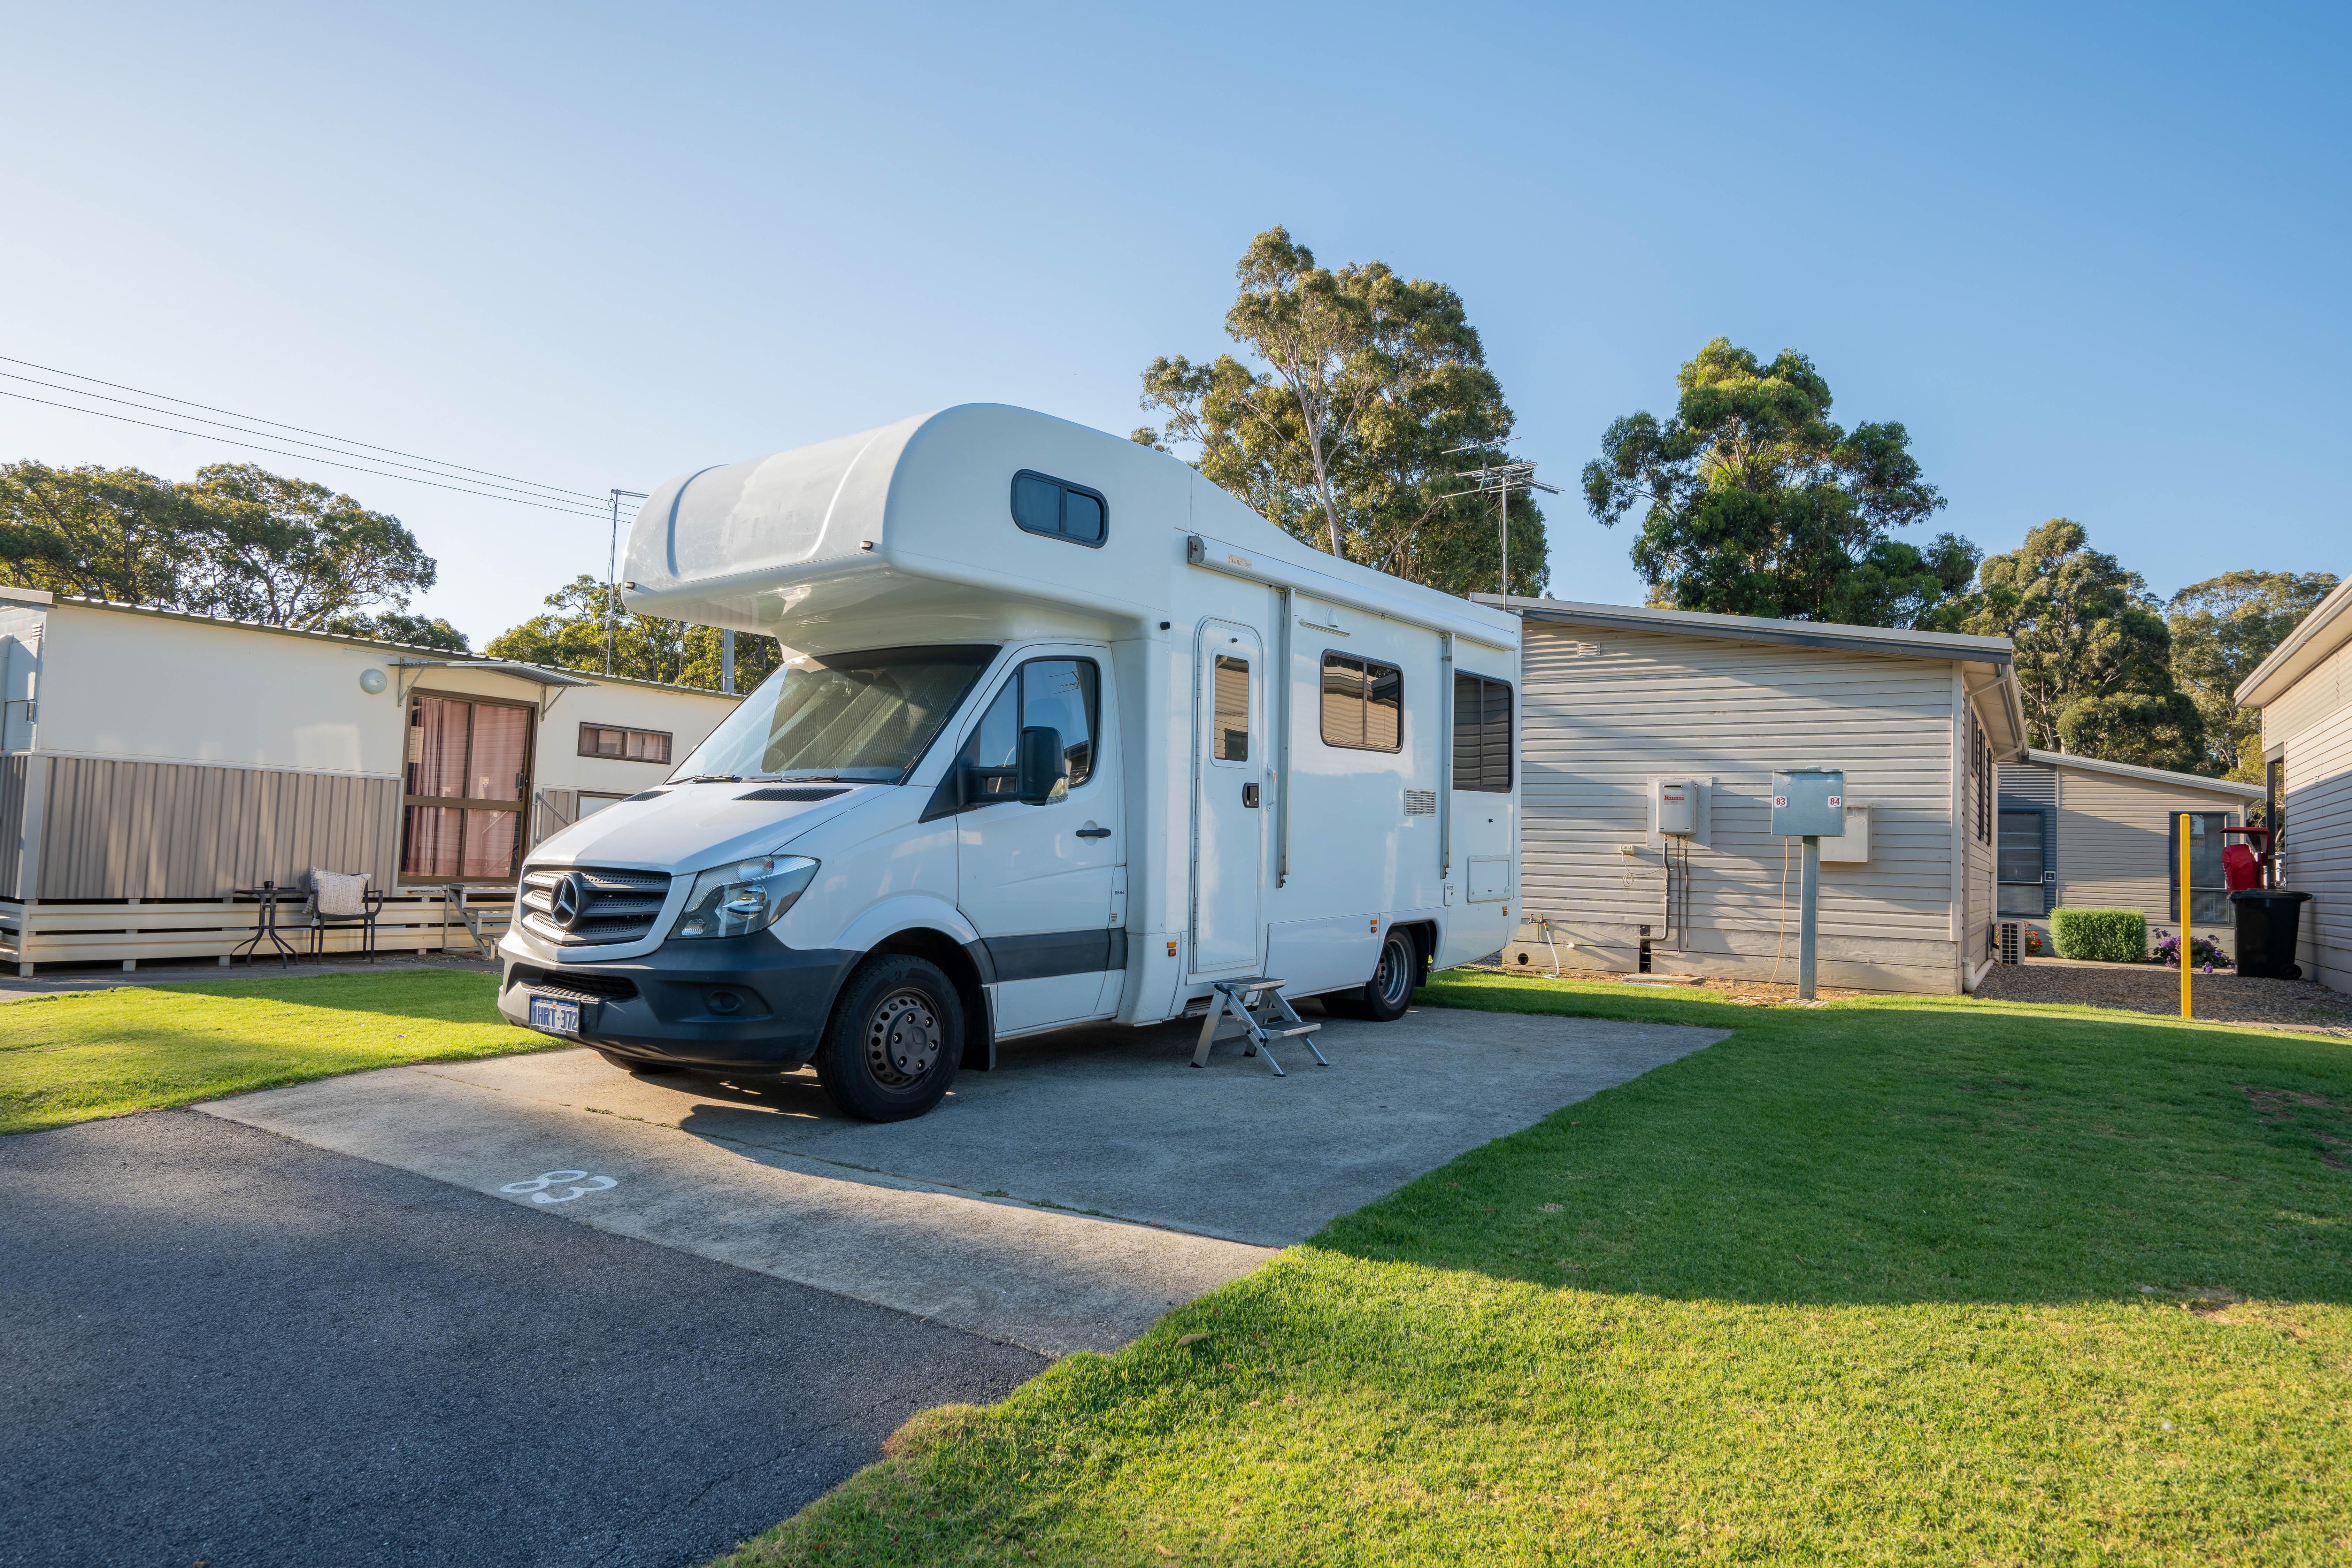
x: 612, y: 570
x: 1499, y: 479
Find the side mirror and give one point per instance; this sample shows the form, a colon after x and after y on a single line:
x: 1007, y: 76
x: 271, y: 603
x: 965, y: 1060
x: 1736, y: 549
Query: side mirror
x: 1042, y: 765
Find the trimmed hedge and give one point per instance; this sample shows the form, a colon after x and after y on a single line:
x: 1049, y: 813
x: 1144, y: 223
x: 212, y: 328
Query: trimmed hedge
x: 2103, y: 936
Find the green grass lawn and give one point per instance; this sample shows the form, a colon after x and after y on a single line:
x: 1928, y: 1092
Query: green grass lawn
x: 101, y: 1053
x: 1884, y: 1281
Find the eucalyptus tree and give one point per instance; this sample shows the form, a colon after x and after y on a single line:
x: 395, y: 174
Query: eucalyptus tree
x: 1756, y: 503
x: 1359, y: 399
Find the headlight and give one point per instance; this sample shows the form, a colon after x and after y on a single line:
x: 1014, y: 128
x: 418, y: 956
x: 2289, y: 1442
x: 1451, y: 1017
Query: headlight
x: 744, y: 896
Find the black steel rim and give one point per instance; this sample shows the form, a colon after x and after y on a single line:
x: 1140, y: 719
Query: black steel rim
x: 1394, y: 976
x: 902, y: 1038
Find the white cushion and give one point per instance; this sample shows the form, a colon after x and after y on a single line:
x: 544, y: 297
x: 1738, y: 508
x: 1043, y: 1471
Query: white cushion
x: 334, y: 893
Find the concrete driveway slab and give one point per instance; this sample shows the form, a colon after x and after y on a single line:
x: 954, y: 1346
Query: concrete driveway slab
x: 1063, y: 1202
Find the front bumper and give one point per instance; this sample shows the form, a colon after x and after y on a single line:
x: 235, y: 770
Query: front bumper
x: 674, y: 1003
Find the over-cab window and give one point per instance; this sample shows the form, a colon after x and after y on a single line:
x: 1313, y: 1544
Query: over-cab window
x: 1363, y: 704
x: 1482, y: 734
x: 1043, y: 504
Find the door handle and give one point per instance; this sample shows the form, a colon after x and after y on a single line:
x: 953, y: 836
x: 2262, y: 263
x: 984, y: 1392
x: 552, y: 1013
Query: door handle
x: 1094, y: 833
x: 1249, y: 794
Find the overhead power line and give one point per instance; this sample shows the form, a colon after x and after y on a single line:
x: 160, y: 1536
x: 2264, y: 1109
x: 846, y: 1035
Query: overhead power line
x: 301, y: 430
x: 564, y: 508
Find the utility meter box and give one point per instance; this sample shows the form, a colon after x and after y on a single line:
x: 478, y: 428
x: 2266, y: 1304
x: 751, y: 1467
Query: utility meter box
x: 1677, y: 808
x: 1808, y: 802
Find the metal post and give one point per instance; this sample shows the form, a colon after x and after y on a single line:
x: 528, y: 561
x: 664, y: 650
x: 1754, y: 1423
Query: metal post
x: 612, y: 570
x: 1807, y: 900
x: 613, y: 573
x: 727, y: 661
x: 1507, y: 547
x: 2183, y: 912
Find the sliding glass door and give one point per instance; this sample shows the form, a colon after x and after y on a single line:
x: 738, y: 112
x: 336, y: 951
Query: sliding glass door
x: 468, y: 772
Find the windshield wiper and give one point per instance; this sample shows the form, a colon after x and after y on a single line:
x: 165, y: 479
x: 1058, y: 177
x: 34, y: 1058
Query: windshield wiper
x: 714, y: 778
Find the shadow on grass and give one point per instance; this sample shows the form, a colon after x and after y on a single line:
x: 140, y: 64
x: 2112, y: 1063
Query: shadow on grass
x: 1911, y: 1150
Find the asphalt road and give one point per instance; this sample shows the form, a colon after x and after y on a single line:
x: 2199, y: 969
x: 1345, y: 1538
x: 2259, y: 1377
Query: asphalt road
x: 220, y: 1345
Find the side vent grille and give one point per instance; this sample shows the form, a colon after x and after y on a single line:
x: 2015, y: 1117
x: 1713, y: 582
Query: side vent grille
x: 619, y: 906
x: 1420, y: 803
x: 2013, y: 941
x: 791, y: 792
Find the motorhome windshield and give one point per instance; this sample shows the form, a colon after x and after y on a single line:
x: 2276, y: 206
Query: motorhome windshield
x: 864, y: 717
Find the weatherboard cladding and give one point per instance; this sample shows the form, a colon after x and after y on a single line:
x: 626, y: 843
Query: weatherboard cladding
x: 1604, y: 713
x: 2114, y: 839
x: 2313, y: 719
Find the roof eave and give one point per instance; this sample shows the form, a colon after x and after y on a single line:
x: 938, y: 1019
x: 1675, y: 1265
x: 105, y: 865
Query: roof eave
x: 2322, y: 632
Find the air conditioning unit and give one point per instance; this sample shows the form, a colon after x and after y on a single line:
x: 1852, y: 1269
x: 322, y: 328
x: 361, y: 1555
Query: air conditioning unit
x: 2010, y: 944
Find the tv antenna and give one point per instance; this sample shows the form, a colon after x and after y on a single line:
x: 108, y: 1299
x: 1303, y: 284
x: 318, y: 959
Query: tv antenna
x: 1499, y: 479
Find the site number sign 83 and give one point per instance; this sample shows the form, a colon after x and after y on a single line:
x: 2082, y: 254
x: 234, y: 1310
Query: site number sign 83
x: 580, y: 1185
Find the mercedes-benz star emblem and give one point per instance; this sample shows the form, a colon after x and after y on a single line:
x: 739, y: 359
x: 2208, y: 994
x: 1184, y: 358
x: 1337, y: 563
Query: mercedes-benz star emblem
x: 570, y: 901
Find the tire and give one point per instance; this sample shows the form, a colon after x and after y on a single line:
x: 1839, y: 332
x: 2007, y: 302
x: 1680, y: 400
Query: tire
x: 1387, y: 995
x: 637, y: 1064
x: 895, y: 1040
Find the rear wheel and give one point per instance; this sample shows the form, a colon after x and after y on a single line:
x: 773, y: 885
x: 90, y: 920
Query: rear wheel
x: 894, y: 1042
x: 1386, y: 996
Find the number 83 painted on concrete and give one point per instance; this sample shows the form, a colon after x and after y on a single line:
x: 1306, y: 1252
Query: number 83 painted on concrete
x: 581, y: 1184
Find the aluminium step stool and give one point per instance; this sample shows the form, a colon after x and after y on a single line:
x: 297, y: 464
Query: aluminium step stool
x: 1264, y: 1015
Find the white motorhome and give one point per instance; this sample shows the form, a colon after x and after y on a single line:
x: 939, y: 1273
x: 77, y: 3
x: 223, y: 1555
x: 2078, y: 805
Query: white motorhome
x: 1065, y: 734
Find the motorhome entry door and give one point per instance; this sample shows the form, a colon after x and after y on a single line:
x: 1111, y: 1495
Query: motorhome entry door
x: 1229, y: 708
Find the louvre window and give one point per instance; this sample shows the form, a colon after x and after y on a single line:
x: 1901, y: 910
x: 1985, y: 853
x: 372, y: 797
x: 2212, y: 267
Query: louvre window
x: 1363, y: 704
x: 1059, y: 509
x: 1482, y: 734
x: 629, y: 745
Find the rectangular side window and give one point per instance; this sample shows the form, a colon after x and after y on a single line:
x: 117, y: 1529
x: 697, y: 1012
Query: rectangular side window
x: 2208, y: 902
x: 1363, y: 704
x: 1482, y: 734
x: 629, y: 745
x: 1230, y: 719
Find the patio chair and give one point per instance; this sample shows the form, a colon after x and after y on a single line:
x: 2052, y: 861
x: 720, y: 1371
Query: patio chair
x: 339, y: 899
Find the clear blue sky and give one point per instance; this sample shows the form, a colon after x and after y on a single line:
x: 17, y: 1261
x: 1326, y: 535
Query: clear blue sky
x: 2095, y: 259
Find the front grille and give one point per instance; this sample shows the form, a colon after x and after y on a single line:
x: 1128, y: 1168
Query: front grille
x: 620, y: 906
x: 582, y: 988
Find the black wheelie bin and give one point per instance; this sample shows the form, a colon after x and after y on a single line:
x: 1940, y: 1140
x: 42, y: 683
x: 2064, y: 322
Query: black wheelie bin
x: 2267, y: 919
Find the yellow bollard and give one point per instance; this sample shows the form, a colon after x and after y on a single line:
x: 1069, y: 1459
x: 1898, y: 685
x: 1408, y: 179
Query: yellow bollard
x: 2184, y: 943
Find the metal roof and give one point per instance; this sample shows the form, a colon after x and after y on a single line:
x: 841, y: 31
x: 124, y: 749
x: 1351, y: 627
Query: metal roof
x: 1761, y: 628
x: 2152, y: 775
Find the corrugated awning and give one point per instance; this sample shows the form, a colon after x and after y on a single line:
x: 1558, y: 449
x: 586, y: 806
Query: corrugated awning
x: 515, y: 667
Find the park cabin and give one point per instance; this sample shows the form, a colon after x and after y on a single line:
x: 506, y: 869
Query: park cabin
x: 2304, y: 691
x: 153, y: 764
x: 2084, y: 834
x: 1623, y: 708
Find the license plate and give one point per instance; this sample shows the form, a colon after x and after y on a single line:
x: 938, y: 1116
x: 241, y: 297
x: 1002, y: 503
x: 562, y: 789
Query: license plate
x: 555, y: 1017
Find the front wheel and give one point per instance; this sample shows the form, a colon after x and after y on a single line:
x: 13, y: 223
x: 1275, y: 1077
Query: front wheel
x: 1385, y: 996
x: 894, y: 1040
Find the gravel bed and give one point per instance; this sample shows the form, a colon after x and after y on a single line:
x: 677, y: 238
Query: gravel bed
x: 2220, y: 998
